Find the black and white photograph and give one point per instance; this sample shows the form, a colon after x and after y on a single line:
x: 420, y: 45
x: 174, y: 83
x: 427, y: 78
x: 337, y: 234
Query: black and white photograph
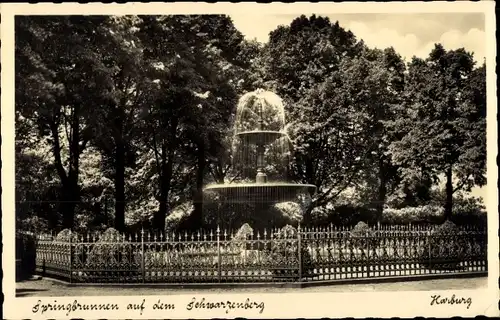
x: 229, y: 162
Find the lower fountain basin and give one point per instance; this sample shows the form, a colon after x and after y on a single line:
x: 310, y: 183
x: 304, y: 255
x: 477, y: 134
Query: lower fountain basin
x: 269, y: 192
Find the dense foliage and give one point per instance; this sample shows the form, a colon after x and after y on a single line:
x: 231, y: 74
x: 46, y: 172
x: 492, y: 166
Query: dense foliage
x: 121, y: 122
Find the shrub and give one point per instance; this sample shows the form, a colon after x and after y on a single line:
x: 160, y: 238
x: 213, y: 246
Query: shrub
x: 109, y: 251
x: 347, y: 215
x: 469, y: 211
x: 107, y: 248
x: 343, y: 215
x: 66, y: 235
x: 285, y: 253
x: 289, y: 211
x: 243, y: 233
x: 34, y: 224
x: 441, y: 250
x: 421, y: 214
x: 362, y: 236
x: 178, y: 216
x: 279, y: 215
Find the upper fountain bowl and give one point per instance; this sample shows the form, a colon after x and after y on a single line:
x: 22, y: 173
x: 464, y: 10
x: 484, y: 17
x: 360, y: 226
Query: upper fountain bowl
x: 260, y: 111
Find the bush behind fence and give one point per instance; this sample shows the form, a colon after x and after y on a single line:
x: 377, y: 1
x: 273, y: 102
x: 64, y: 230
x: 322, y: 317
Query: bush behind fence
x: 283, y: 255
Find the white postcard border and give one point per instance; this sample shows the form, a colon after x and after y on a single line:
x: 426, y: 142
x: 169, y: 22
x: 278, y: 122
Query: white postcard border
x: 289, y: 305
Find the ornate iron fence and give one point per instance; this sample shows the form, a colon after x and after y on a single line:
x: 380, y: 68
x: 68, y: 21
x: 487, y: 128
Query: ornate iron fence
x: 286, y: 255
x: 393, y: 252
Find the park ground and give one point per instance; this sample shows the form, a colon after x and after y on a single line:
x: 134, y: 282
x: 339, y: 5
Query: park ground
x: 47, y: 287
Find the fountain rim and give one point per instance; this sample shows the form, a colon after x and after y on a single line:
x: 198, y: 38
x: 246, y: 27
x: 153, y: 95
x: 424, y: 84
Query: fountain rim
x: 249, y: 132
x: 252, y: 185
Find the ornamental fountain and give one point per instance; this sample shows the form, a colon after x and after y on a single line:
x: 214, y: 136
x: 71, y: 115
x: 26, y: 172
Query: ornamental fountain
x: 261, y: 155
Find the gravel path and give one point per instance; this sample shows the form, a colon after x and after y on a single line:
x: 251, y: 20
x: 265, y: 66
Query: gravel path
x: 48, y: 288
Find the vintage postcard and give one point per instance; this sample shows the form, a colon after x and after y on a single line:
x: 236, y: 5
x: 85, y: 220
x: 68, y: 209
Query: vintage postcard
x: 249, y: 160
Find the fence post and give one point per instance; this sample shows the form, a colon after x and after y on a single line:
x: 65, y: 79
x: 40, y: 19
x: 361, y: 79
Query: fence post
x: 299, y: 242
x: 367, y: 263
x: 219, y: 267
x: 429, y: 248
x: 44, y: 256
x: 70, y: 256
x: 143, y: 273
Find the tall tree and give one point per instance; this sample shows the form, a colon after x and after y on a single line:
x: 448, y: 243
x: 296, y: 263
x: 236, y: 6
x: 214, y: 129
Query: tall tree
x: 122, y: 62
x: 376, y: 84
x: 299, y: 56
x: 306, y: 64
x: 191, y: 59
x: 443, y: 121
x: 58, y: 82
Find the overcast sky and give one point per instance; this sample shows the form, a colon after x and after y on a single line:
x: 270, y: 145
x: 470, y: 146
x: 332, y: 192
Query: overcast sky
x: 409, y: 34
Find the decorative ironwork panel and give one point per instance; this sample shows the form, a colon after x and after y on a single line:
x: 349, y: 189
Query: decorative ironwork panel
x: 53, y: 257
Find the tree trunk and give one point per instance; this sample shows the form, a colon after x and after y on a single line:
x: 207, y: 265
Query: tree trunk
x: 159, y: 219
x: 309, y: 178
x: 198, y: 194
x: 309, y: 171
x: 68, y: 204
x: 119, y: 176
x: 448, y: 206
x: 307, y: 218
x: 166, y: 168
x: 70, y: 185
x: 382, y: 189
x: 120, y: 187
